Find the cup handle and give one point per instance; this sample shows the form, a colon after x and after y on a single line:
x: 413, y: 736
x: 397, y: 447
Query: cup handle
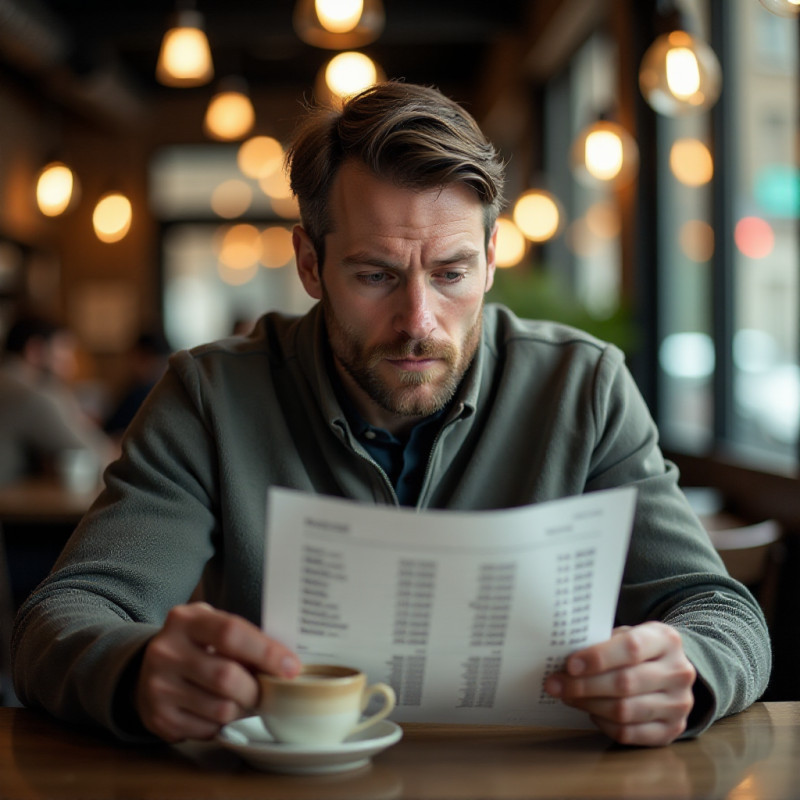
x: 389, y: 702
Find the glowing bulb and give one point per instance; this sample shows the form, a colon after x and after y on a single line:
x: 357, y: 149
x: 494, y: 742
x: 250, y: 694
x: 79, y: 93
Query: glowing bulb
x: 350, y: 72
x: 229, y: 116
x: 510, y: 244
x: 603, y: 154
x: 112, y: 217
x: 339, y: 24
x: 185, y: 57
x: 683, y: 72
x: 537, y: 215
x: 680, y: 74
x: 339, y: 16
x: 54, y: 189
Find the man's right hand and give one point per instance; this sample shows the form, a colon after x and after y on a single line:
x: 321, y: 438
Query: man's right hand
x: 198, y: 672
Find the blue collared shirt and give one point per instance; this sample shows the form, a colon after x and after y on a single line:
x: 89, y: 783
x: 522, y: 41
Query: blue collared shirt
x: 403, y: 461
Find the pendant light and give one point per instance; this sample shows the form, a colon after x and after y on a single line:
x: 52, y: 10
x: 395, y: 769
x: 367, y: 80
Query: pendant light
x: 184, y: 59
x: 680, y: 73
x: 112, y: 217
x: 604, y: 153
x: 230, y: 115
x: 339, y: 24
x: 56, y: 189
x: 345, y: 75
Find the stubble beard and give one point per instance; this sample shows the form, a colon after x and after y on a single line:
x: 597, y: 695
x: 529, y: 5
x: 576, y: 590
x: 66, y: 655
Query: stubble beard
x: 361, y: 364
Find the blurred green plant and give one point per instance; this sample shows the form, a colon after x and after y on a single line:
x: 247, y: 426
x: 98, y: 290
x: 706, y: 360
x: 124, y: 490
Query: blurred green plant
x: 534, y: 293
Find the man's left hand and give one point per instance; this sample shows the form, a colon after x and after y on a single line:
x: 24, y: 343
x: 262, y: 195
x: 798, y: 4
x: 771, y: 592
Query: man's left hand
x: 637, y: 686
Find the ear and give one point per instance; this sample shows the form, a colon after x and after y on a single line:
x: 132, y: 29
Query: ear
x: 491, y: 255
x: 305, y: 255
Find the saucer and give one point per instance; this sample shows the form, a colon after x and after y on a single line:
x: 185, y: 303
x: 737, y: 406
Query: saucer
x: 251, y: 740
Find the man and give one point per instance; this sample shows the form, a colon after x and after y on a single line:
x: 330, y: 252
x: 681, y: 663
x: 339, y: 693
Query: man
x: 397, y: 387
x: 39, y: 417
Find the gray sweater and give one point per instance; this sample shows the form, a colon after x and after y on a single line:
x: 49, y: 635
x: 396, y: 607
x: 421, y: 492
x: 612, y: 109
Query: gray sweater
x: 544, y: 412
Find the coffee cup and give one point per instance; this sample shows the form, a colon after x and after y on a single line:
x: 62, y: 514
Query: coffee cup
x: 321, y: 706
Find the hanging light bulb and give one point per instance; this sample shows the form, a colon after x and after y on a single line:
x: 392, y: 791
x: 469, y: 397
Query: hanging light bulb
x: 339, y: 24
x: 537, y: 213
x: 344, y: 75
x: 185, y: 57
x: 230, y: 115
x: 56, y: 189
x: 680, y: 74
x: 783, y: 8
x: 605, y: 153
x: 112, y: 217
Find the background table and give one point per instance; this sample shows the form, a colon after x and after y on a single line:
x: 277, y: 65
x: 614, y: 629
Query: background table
x: 755, y: 754
x: 36, y: 518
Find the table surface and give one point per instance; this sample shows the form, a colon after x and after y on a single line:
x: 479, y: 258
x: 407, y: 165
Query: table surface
x: 755, y: 754
x: 43, y: 500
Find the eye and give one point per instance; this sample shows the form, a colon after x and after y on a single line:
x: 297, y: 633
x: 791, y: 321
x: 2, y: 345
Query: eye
x: 451, y: 276
x: 373, y: 278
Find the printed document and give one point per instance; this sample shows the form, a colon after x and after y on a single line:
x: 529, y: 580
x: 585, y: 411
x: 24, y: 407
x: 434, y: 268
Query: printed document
x: 464, y: 613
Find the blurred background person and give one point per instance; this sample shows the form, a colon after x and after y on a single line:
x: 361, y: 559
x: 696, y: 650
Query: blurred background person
x: 148, y: 361
x: 40, y: 417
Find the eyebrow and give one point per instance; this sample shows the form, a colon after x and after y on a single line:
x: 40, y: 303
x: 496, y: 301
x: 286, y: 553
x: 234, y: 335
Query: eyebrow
x: 364, y: 258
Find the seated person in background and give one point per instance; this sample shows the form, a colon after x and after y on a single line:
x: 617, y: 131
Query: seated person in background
x: 39, y: 416
x: 398, y: 387
x: 148, y: 362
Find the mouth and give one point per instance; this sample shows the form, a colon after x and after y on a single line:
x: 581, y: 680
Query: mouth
x: 412, y: 364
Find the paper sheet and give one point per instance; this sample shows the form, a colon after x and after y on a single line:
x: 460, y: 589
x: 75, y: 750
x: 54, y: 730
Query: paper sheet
x: 463, y: 613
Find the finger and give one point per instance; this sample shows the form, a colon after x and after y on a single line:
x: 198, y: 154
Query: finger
x: 645, y: 642
x: 235, y: 637
x: 657, y: 706
x: 174, y: 724
x: 646, y: 678
x: 222, y: 680
x: 648, y: 734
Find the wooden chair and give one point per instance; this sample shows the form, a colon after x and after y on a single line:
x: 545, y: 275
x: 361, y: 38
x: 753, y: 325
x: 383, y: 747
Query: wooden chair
x: 751, y: 553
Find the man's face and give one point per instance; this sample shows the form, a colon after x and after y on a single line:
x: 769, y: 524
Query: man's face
x: 402, y: 291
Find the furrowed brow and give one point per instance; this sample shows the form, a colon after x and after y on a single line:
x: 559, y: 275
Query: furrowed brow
x: 363, y: 258
x: 468, y: 255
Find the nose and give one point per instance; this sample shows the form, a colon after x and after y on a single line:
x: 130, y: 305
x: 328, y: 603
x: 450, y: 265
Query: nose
x: 414, y: 316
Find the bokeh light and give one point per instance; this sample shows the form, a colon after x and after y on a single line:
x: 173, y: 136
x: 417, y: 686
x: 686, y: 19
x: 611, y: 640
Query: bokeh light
x: 691, y: 162
x: 754, y: 237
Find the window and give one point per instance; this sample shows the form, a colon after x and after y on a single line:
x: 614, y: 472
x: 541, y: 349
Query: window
x: 729, y: 261
x: 225, y: 248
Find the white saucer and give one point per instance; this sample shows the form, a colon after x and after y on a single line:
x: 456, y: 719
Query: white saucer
x: 250, y: 740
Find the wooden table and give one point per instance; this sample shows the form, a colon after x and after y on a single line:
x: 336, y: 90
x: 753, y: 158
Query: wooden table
x: 44, y: 501
x: 755, y: 754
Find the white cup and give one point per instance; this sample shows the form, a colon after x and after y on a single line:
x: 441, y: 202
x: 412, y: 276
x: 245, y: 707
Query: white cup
x: 78, y: 470
x: 321, y: 706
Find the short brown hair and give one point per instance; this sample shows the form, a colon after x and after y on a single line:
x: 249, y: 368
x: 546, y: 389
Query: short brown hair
x: 412, y: 135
